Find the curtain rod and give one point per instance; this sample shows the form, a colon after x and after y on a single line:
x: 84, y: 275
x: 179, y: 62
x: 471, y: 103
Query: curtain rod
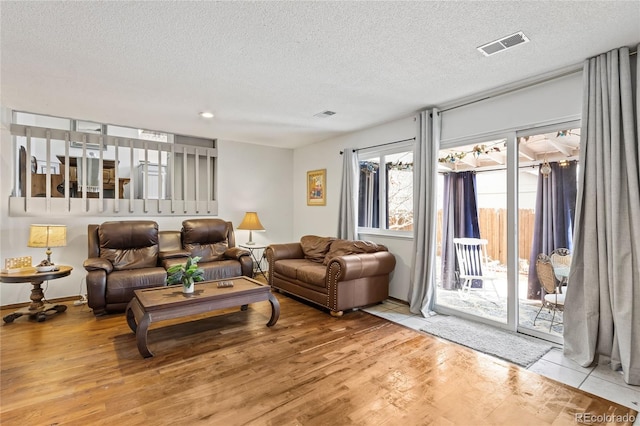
x: 382, y: 144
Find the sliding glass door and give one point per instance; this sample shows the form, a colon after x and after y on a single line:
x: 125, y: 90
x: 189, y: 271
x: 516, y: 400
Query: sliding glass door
x: 472, y: 230
x: 506, y: 203
x: 547, y: 187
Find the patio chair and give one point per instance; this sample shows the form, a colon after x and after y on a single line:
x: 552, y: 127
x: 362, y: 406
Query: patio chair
x: 554, y: 298
x: 561, y: 262
x: 474, y: 264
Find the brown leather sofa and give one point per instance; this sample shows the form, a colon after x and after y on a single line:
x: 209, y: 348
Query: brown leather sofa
x: 124, y: 256
x: 213, y: 240
x: 333, y: 273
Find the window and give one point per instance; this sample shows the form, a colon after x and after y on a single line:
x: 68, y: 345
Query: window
x: 385, y: 194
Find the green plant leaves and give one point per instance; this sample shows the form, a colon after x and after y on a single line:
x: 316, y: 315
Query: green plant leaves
x: 184, y: 273
x: 175, y: 268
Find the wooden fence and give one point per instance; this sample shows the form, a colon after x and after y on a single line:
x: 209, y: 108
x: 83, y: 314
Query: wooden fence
x: 493, y: 227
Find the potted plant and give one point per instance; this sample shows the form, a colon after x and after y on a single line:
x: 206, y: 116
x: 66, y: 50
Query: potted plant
x: 187, y: 274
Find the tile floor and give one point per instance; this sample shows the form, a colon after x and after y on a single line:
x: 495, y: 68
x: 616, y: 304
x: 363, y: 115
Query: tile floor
x: 599, y: 380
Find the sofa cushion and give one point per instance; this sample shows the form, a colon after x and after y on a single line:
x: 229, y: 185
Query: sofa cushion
x: 134, y: 258
x: 123, y: 283
x: 207, y: 238
x: 345, y: 247
x: 129, y: 244
x: 315, y: 248
x: 313, y: 273
x: 207, y: 252
x: 221, y: 269
x: 289, y: 267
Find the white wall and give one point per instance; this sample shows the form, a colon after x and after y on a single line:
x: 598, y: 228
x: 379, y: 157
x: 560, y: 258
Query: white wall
x: 323, y: 220
x: 551, y: 102
x: 250, y: 177
x: 492, y: 190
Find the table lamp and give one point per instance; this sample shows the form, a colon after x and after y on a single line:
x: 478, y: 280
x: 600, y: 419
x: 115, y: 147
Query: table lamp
x: 47, y: 236
x: 252, y: 223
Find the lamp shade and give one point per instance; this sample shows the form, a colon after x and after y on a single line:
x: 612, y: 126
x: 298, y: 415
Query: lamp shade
x: 47, y: 236
x: 251, y: 222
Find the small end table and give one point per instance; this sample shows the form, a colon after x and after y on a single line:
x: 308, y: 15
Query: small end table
x: 258, y: 265
x: 37, y: 309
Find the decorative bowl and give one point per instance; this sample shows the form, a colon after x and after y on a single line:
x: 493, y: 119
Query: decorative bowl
x: 48, y: 268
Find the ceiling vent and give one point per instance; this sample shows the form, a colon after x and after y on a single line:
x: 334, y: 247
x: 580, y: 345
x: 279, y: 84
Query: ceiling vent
x: 324, y: 114
x: 503, y: 44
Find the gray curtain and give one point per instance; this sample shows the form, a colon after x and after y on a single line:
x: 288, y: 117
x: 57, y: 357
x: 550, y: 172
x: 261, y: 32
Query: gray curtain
x: 555, y: 216
x: 423, y: 262
x: 459, y: 220
x: 602, y: 309
x: 348, y: 210
x: 368, y: 194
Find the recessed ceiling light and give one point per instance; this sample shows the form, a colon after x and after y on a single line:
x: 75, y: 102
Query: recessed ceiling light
x: 206, y: 114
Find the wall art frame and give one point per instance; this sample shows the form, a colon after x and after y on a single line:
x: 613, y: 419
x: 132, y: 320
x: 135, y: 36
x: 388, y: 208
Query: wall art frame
x: 317, y: 187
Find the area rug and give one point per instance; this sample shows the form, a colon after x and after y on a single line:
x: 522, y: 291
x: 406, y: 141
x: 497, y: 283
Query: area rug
x: 512, y: 347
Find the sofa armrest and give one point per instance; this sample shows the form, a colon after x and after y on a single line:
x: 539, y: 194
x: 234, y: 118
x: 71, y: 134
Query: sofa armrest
x: 355, y: 266
x: 173, y: 254
x: 236, y: 253
x: 98, y: 263
x: 97, y: 290
x: 284, y: 251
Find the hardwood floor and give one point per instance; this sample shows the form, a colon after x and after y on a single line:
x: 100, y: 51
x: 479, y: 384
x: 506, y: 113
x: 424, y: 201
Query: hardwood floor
x: 228, y: 368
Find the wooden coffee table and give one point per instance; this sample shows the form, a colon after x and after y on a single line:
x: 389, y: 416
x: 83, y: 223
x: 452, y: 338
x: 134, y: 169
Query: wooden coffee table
x: 163, y: 303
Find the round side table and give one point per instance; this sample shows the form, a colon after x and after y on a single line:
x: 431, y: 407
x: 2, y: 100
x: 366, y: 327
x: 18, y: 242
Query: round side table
x: 37, y: 309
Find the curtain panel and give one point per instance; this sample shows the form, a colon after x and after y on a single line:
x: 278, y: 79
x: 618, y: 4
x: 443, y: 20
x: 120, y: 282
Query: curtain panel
x: 369, y: 195
x: 554, y: 218
x: 602, y: 308
x: 459, y: 220
x: 423, y: 262
x: 348, y: 208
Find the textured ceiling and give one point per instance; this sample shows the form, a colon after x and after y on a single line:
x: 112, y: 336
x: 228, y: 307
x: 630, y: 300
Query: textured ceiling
x: 265, y: 68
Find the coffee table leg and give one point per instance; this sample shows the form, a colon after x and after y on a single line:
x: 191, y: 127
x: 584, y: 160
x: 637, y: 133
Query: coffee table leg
x: 141, y: 336
x: 135, y: 313
x: 275, y: 310
x: 131, y: 318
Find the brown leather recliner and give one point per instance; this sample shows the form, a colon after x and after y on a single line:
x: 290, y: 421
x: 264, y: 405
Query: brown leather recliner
x: 213, y: 240
x: 123, y: 257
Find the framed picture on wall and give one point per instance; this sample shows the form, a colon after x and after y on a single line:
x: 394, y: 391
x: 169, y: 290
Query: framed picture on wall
x: 317, y: 187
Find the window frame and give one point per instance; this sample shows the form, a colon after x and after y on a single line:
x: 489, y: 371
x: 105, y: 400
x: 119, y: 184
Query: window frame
x: 379, y: 154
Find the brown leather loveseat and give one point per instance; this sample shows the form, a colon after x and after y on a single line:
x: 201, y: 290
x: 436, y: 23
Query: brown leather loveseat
x: 124, y: 256
x: 333, y: 273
